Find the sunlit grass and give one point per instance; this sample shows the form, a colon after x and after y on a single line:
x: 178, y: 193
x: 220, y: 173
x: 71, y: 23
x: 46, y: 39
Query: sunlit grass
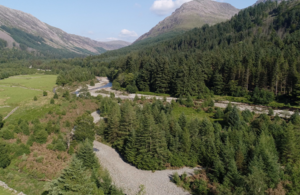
x: 38, y: 81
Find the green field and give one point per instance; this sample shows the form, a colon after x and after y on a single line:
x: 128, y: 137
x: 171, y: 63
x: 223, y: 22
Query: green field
x: 20, y: 91
x: 191, y: 113
x: 5, y: 192
x: 42, y: 82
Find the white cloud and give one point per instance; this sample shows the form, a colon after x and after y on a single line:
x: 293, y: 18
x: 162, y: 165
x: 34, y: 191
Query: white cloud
x: 164, y: 7
x: 128, y: 34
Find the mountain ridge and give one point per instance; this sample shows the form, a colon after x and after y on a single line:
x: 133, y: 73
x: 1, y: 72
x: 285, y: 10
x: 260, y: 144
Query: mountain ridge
x: 191, y: 15
x: 52, y: 36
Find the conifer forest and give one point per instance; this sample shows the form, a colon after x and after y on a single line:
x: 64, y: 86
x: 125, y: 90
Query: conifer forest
x: 254, y: 56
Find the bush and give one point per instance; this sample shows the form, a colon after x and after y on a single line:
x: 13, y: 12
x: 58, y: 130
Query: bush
x: 52, y: 101
x: 4, y: 157
x: 219, y: 114
x: 55, y: 96
x: 262, y: 96
x: 39, y: 159
x: 92, y: 83
x: 41, y: 137
x: 35, y: 98
x: 45, y: 93
x: 131, y: 89
x: 7, y: 134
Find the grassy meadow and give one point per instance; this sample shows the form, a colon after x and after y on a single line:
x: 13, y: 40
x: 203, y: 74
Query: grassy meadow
x: 5, y: 192
x: 20, y: 91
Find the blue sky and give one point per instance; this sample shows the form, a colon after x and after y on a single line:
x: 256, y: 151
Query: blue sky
x: 104, y: 20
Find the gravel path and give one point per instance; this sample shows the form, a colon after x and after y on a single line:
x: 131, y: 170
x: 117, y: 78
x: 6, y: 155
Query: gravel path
x: 129, y: 178
x: 14, y: 110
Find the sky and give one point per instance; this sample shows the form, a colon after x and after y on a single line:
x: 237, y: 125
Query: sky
x: 104, y: 20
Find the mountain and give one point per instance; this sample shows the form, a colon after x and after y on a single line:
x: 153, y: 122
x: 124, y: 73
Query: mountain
x: 264, y: 1
x: 19, y: 28
x: 191, y: 15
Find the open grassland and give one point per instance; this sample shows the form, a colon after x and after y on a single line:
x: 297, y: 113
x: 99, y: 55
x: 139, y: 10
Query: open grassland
x: 19, y: 91
x: 191, y: 113
x: 38, y: 81
x: 5, y: 192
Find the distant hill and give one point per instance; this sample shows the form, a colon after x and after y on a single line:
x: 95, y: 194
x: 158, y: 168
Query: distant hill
x: 191, y: 15
x: 23, y: 30
x: 263, y: 1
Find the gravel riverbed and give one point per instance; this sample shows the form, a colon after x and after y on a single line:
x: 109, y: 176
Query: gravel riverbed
x: 129, y: 178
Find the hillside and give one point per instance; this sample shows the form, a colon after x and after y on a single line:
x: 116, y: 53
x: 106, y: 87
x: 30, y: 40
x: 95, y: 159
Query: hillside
x: 22, y: 28
x: 191, y: 15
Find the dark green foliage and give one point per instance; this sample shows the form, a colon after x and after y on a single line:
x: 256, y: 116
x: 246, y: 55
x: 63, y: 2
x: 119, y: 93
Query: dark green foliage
x: 295, y: 118
x: 219, y: 114
x: 189, y: 102
x: 247, y: 115
x: 58, y: 144
x: 87, y: 156
x: 84, y: 128
x: 7, y: 134
x: 41, y: 136
x: 73, y: 180
x: 35, y: 98
x: 262, y: 96
x: 270, y: 112
x: 52, y: 101
x: 1, y: 121
x: 45, y: 93
x: 92, y: 83
x: 4, y: 157
x: 55, y: 96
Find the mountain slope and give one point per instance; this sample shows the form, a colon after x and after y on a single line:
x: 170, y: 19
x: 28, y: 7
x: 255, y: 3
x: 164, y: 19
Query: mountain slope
x: 193, y: 14
x: 11, y: 19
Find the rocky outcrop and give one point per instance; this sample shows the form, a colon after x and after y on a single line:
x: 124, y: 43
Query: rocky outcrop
x: 191, y: 15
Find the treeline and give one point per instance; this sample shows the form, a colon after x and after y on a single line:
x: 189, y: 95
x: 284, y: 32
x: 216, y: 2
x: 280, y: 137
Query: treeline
x: 258, y: 47
x: 244, y: 154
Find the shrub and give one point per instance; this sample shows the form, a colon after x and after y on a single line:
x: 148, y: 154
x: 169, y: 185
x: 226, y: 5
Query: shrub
x: 131, y: 89
x: 39, y: 159
x: 7, y: 134
x: 45, y: 93
x: 35, y: 98
x: 262, y: 96
x: 92, y: 83
x: 219, y: 114
x: 55, y: 96
x: 41, y: 137
x: 52, y: 101
x: 4, y: 157
x: 271, y: 112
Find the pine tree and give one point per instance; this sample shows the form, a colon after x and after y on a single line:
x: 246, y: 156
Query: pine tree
x: 87, y: 156
x: 113, y: 124
x: 84, y: 128
x: 73, y: 180
x: 182, y: 121
x: 291, y: 149
x: 35, y: 98
x: 233, y: 118
x: 295, y: 118
x: 4, y: 157
x: 52, y: 101
x: 55, y: 96
x: 45, y: 93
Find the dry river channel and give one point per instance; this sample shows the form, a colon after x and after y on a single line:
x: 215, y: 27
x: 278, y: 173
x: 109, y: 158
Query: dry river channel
x: 128, y: 177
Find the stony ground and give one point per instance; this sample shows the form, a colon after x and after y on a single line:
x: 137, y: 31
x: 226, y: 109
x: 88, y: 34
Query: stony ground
x: 129, y: 178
